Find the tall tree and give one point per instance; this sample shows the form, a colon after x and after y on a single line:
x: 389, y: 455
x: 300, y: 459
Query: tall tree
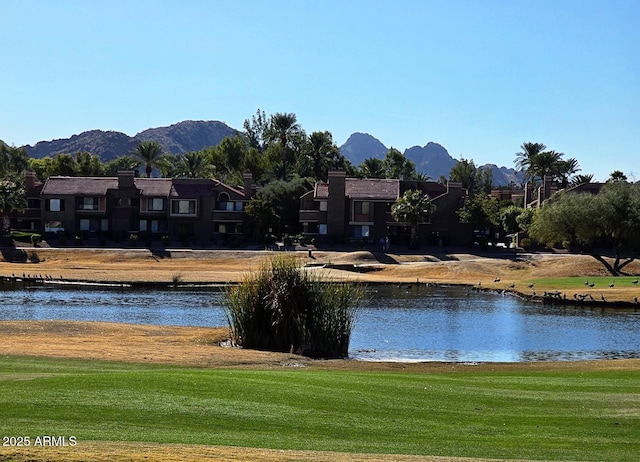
x: 396, y: 165
x: 89, y: 164
x: 413, y: 207
x: 13, y: 161
x: 195, y: 164
x: 11, y: 200
x: 283, y: 128
x: 150, y: 154
x: 474, y: 179
x: 321, y: 155
x: 372, y: 167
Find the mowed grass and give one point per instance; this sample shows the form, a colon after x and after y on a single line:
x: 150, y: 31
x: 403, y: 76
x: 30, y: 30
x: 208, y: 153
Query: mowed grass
x: 551, y: 415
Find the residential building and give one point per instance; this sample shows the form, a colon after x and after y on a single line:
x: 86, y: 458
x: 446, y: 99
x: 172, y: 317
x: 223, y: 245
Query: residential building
x: 359, y: 209
x: 198, y: 210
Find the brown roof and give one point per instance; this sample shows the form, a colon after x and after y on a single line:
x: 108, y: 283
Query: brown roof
x: 79, y: 186
x: 372, y: 188
x: 153, y: 187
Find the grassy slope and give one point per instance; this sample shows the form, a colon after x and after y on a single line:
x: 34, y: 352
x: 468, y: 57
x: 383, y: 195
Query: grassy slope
x: 553, y: 415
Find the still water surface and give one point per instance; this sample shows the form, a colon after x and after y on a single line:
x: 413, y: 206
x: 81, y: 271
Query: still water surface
x: 394, y: 323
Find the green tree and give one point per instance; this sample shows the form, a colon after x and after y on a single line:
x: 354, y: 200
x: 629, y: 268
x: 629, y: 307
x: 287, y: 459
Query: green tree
x: 195, y: 164
x: 413, y: 208
x: 89, y: 164
x: 481, y: 210
x: 581, y: 179
x: 11, y: 200
x: 321, y: 155
x: 112, y: 167
x: 150, y: 155
x: 616, y: 176
x: 396, y: 165
x: 611, y: 217
x: 474, y: 179
x: 13, y: 161
x: 284, y: 197
x: 536, y: 163
x: 283, y: 129
x: 64, y: 165
x: 263, y: 219
x: 565, y: 220
x: 372, y: 167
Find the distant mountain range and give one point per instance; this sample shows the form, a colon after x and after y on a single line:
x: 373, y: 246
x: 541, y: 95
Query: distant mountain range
x: 180, y: 138
x: 431, y: 159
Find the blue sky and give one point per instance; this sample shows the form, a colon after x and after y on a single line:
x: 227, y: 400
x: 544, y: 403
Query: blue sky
x: 478, y: 77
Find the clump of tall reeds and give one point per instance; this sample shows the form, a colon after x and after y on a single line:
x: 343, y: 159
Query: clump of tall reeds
x: 286, y: 308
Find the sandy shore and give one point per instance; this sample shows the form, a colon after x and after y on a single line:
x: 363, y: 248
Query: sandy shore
x: 495, y: 270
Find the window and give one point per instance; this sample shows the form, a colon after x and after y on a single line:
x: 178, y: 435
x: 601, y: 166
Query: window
x: 183, y: 207
x: 104, y: 224
x: 361, y: 231
x: 143, y: 225
x: 222, y: 228
x: 362, y: 211
x: 322, y: 228
x: 55, y: 205
x: 53, y: 226
x: 156, y: 204
x: 88, y: 203
x: 33, y: 203
x: 85, y: 224
x: 323, y: 206
x: 239, y: 206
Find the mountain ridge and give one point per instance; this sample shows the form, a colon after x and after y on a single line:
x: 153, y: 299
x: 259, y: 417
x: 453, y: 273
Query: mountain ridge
x: 431, y: 159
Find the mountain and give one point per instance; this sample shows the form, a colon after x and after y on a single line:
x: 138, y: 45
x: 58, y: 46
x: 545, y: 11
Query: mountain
x: 432, y: 159
x: 503, y: 176
x: 179, y: 138
x: 361, y: 146
x: 187, y: 136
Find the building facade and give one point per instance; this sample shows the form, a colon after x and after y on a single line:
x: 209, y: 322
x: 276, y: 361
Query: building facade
x: 359, y: 209
x: 115, y: 208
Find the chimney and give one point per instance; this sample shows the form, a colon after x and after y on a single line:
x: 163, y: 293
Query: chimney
x: 125, y: 179
x: 31, y: 180
x: 248, y: 184
x: 336, y: 204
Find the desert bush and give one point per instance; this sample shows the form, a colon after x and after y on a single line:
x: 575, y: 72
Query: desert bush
x: 285, y: 308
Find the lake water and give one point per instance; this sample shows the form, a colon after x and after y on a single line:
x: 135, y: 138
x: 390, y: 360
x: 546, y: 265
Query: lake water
x: 394, y: 323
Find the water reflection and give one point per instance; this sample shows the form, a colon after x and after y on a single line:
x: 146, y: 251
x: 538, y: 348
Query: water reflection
x: 394, y: 324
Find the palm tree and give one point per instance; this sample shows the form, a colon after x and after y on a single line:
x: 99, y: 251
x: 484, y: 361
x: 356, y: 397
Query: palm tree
x: 528, y: 151
x: 283, y: 128
x: 566, y: 168
x: 321, y: 154
x: 372, y: 167
x: 150, y: 153
x: 413, y: 208
x: 195, y: 165
x: 581, y: 179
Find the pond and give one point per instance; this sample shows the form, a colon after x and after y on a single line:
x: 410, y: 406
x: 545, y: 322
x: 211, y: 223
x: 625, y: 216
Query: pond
x: 395, y: 323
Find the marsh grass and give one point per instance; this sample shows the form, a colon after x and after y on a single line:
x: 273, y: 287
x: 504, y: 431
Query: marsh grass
x: 288, y: 309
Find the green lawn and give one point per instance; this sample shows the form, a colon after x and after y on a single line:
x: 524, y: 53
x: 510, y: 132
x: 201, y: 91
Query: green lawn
x: 588, y: 416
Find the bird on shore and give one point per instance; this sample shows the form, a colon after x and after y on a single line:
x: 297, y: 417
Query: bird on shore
x: 635, y: 283
x: 513, y: 285
x: 496, y: 280
x: 530, y: 286
x: 602, y: 298
x: 612, y: 284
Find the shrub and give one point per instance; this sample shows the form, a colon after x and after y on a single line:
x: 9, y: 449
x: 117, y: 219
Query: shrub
x: 284, y: 308
x: 525, y: 243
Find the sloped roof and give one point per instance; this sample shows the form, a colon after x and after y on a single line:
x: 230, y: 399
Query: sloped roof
x: 79, y: 186
x: 153, y: 187
x: 372, y: 188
